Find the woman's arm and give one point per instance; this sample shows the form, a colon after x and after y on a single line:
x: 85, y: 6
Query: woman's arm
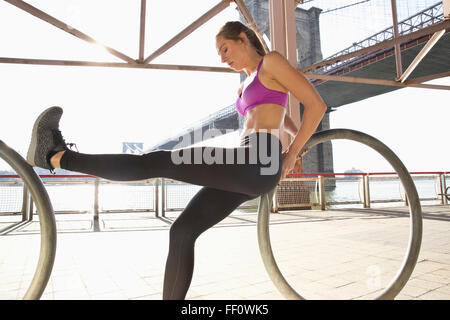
x: 302, y: 89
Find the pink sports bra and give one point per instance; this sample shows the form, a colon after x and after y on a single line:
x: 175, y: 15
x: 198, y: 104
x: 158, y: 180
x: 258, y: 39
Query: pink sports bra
x: 256, y: 94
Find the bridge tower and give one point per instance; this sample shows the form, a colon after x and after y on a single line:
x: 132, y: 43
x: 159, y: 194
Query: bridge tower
x: 308, y: 52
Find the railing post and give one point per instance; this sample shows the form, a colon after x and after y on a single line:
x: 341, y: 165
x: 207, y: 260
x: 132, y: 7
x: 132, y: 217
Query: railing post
x: 442, y: 188
x: 322, y: 193
x: 25, y: 204
x: 406, y: 197
x: 96, y: 188
x: 156, y: 197
x: 163, y: 197
x: 30, y: 208
x: 366, y: 191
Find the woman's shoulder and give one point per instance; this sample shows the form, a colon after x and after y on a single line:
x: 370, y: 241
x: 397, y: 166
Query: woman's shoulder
x: 273, y: 60
x: 274, y: 56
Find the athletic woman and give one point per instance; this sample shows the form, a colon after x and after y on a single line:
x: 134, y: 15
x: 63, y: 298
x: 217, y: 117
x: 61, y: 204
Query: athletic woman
x: 229, y: 176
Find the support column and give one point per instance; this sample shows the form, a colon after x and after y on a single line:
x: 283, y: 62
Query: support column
x: 446, y: 4
x: 283, y: 40
x: 291, y: 51
x: 277, y: 26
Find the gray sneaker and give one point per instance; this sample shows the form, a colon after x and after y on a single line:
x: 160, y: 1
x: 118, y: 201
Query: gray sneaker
x: 46, y: 139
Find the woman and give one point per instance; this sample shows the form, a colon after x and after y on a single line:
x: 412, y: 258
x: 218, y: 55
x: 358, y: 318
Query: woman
x: 234, y: 176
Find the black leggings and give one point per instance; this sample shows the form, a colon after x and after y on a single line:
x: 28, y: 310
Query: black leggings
x: 230, y: 176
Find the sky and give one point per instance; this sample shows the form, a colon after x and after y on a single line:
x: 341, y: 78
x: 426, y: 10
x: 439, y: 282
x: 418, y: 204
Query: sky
x: 104, y: 107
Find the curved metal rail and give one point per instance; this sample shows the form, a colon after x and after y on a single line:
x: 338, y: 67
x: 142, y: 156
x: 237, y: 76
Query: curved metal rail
x: 46, y: 220
x: 415, y: 239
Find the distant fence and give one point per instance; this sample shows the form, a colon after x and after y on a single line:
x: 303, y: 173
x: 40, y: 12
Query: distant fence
x: 83, y: 193
x: 334, y: 190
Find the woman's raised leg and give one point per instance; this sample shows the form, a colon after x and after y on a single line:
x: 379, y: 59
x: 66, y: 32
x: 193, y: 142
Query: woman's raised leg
x: 253, y: 169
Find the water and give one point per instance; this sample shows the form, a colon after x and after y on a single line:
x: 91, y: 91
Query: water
x: 123, y: 197
x: 388, y: 190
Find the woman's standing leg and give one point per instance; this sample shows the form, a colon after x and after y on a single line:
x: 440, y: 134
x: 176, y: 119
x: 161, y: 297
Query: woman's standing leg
x: 208, y: 207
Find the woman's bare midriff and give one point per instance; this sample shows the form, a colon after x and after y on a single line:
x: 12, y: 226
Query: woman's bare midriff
x: 266, y: 117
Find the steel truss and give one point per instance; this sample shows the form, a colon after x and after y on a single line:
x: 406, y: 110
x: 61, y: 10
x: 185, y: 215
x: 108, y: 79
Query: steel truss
x: 431, y: 21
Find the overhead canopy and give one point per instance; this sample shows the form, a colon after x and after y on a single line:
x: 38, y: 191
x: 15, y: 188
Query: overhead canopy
x: 144, y: 61
x: 360, y: 74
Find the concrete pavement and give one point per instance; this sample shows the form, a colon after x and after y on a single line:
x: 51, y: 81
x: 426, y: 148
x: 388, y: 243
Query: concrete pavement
x: 334, y: 254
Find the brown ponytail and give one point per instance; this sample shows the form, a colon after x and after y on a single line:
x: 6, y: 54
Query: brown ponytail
x: 232, y: 29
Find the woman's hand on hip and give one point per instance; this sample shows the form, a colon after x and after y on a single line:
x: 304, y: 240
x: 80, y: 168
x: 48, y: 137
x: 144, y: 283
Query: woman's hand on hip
x: 289, y: 162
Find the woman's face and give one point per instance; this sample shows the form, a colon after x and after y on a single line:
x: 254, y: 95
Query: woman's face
x: 231, y: 52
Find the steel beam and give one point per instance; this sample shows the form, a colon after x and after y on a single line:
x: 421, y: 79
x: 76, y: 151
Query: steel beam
x: 283, y: 40
x: 429, y: 78
x: 410, y: 83
x: 142, y: 31
x: 189, y: 29
x: 446, y: 4
x: 398, y: 53
x: 277, y: 26
x: 113, y: 65
x: 291, y: 54
x: 63, y: 26
x: 430, y: 44
x: 374, y: 81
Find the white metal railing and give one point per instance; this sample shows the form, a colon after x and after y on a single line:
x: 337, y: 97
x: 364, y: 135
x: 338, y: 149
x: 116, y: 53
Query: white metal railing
x: 82, y: 194
x: 175, y: 196
x: 332, y: 190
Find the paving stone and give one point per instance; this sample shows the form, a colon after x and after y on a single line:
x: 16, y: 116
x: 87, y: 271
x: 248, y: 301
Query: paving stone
x: 336, y: 254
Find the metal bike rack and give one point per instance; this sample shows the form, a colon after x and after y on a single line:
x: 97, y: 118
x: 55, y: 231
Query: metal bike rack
x: 415, y: 238
x: 46, y: 219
